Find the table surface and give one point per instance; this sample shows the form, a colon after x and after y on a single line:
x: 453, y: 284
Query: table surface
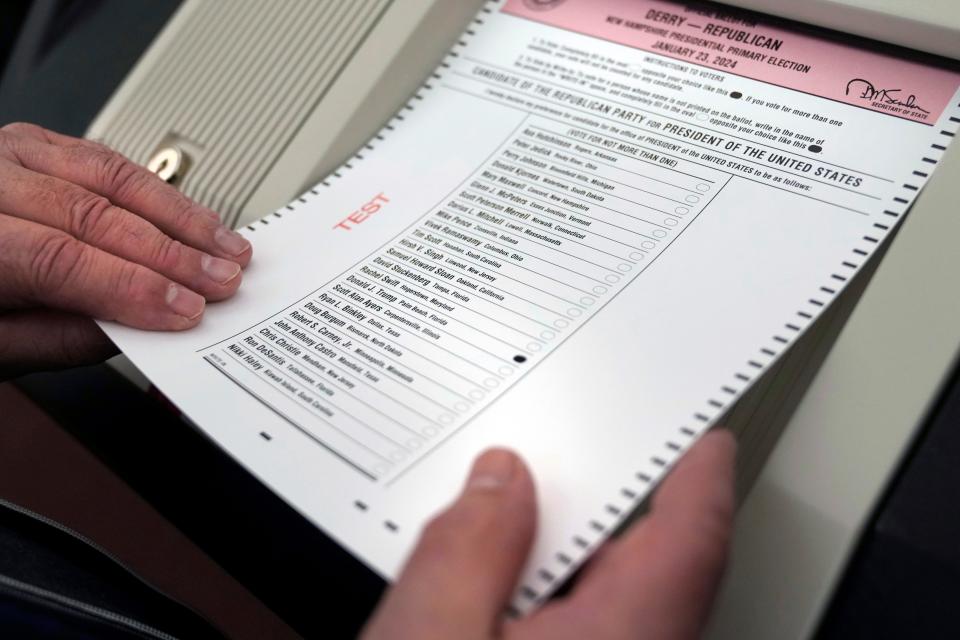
x: 44, y: 469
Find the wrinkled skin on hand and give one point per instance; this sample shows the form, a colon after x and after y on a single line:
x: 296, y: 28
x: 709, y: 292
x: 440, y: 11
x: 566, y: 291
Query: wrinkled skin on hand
x: 86, y: 234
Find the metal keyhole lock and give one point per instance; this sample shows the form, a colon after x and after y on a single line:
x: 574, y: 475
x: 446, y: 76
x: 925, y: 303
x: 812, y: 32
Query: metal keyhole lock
x: 168, y: 163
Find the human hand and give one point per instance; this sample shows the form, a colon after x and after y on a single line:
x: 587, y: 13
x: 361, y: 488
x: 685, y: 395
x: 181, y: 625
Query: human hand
x: 658, y: 580
x: 85, y: 233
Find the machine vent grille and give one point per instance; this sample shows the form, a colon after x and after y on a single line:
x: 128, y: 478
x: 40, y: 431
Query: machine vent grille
x: 233, y: 87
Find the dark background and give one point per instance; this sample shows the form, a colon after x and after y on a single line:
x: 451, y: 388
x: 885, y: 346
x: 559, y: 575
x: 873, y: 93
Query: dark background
x: 903, y: 581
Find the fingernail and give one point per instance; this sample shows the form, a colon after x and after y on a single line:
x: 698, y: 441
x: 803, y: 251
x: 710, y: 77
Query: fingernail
x: 231, y: 241
x: 219, y: 270
x: 492, y: 470
x: 184, y: 302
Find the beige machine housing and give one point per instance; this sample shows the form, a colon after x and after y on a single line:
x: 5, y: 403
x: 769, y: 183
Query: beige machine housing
x: 263, y: 99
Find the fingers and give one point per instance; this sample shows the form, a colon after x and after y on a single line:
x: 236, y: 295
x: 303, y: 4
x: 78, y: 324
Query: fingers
x: 127, y: 185
x: 659, y: 579
x: 36, y: 340
x: 96, y: 221
x: 38, y: 133
x: 462, y: 573
x: 44, y: 267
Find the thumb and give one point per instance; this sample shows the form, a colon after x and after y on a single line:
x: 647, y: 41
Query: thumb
x: 465, y: 567
x: 37, y: 340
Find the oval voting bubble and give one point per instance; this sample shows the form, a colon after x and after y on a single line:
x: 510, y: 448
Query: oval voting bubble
x: 624, y: 267
x: 429, y: 431
x: 637, y: 255
x: 612, y: 278
x: 548, y: 335
x: 493, y: 383
x: 574, y: 312
x: 461, y: 407
x: 414, y: 443
x: 659, y: 233
x: 561, y: 323
x: 504, y: 371
x: 534, y: 346
x: 586, y: 300
x: 476, y: 394
x: 599, y: 289
x: 670, y: 222
x: 682, y: 211
x: 445, y: 419
x: 702, y: 187
x: 649, y: 245
x: 692, y: 199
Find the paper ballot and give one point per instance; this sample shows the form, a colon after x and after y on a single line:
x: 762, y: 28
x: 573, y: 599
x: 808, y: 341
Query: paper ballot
x: 588, y: 233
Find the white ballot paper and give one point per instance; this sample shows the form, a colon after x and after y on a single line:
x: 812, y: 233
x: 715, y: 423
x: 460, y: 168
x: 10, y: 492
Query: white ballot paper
x: 587, y: 234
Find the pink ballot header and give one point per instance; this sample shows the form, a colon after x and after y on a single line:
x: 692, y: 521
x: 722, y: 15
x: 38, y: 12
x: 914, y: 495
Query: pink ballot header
x: 738, y: 43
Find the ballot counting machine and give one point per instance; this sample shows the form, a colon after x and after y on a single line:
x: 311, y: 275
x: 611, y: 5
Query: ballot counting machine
x: 798, y: 525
